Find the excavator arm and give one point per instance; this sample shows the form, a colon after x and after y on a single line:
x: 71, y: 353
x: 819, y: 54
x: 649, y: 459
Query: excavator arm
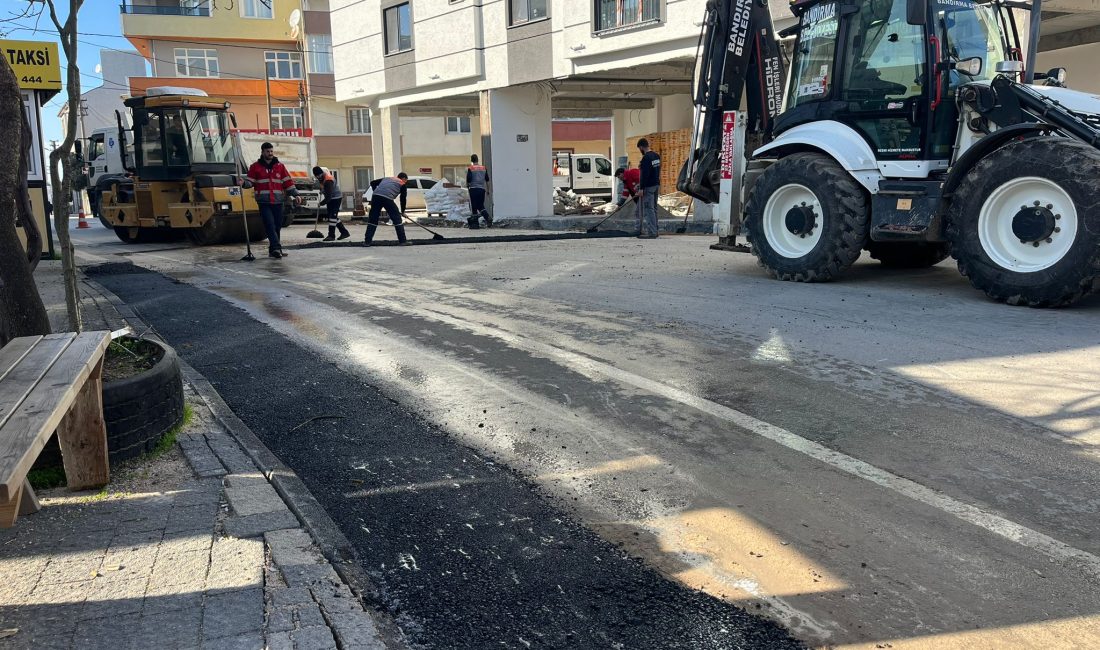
x: 738, y: 58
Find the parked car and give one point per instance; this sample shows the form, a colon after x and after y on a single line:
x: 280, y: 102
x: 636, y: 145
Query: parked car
x: 416, y: 185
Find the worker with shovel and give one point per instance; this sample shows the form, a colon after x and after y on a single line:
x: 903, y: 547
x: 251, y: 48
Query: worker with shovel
x: 477, y: 183
x: 331, y: 199
x: 270, y: 180
x: 650, y: 174
x: 383, y: 193
x: 631, y: 180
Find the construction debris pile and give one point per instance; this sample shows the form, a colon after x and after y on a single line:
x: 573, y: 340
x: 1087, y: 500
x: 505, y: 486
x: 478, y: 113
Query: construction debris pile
x: 569, y: 202
x: 677, y: 204
x: 451, y: 202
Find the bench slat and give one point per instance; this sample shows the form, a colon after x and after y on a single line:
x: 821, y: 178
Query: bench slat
x: 14, y: 351
x: 21, y: 379
x: 26, y: 432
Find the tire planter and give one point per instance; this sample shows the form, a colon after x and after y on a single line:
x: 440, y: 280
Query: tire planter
x: 139, y: 410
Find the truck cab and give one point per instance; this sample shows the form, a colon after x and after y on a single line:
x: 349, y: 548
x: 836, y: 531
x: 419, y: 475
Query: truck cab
x: 585, y: 173
x: 103, y: 150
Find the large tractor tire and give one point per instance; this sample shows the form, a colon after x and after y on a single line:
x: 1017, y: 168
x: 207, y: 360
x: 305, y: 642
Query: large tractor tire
x: 806, y: 218
x: 1024, y: 225
x: 905, y: 255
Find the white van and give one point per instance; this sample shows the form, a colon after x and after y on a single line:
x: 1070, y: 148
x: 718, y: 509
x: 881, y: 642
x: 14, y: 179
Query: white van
x: 590, y: 174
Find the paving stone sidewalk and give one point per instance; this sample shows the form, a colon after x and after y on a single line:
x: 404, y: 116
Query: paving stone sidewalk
x: 191, y: 550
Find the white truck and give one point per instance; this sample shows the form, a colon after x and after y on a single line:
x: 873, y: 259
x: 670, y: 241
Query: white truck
x: 103, y: 153
x: 590, y: 174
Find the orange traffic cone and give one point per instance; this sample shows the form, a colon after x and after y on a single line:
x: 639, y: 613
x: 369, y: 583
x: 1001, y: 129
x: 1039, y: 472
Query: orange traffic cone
x: 80, y: 222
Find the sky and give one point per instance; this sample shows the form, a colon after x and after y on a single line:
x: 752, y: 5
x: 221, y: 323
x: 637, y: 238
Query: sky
x: 99, y: 25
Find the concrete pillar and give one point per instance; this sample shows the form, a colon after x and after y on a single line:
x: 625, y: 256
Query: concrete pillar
x: 475, y: 135
x: 385, y: 126
x: 674, y: 112
x: 517, y: 146
x: 377, y: 155
x: 619, y: 120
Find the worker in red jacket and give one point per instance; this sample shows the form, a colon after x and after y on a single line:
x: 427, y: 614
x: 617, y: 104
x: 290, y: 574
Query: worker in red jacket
x: 631, y: 180
x: 271, y: 181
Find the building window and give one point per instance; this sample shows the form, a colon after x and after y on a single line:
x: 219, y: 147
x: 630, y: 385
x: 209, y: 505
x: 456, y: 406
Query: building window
x: 455, y: 175
x: 363, y: 177
x: 283, y: 65
x: 196, y: 63
x: 359, y: 120
x: 616, y: 14
x: 525, y: 11
x: 457, y: 124
x: 285, y: 119
x: 320, y: 53
x: 399, y: 28
x: 256, y: 8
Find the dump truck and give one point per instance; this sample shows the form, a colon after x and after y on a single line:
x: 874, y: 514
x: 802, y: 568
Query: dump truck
x: 912, y: 129
x: 185, y: 172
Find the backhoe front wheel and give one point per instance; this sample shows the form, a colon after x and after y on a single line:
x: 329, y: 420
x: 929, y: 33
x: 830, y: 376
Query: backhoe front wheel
x: 806, y: 218
x: 1030, y: 234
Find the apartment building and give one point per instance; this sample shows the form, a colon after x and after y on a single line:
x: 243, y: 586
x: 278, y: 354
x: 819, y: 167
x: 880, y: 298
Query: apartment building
x: 513, y: 67
x: 517, y: 64
x: 271, y: 59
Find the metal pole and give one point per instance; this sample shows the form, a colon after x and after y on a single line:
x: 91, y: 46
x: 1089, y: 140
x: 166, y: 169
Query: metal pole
x: 1033, y: 40
x: 267, y: 84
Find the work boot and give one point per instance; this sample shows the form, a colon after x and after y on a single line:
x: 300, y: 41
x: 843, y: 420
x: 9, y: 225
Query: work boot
x: 344, y: 234
x: 331, y: 234
x: 473, y: 223
x: 488, y: 220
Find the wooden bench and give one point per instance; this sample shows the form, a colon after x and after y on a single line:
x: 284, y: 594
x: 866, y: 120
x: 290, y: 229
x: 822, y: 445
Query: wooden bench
x: 51, y: 383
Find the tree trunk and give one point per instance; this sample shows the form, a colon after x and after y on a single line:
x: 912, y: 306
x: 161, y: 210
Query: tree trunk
x: 24, y: 215
x: 62, y: 186
x: 21, y: 310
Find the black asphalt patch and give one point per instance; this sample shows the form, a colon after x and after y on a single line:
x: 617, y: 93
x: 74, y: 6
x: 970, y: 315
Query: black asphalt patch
x: 473, y: 239
x: 464, y: 553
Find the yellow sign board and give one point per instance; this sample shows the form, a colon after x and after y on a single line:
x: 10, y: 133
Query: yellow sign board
x: 36, y: 64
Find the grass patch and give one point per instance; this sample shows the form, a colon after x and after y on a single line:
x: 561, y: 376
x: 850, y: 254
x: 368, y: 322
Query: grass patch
x: 169, y: 440
x: 45, y: 479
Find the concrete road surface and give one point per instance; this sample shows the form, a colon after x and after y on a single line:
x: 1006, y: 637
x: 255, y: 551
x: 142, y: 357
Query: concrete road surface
x: 890, y: 460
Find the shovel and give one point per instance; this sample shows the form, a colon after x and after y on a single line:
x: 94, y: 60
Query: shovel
x: 435, y: 235
x: 611, y: 214
x: 315, y: 234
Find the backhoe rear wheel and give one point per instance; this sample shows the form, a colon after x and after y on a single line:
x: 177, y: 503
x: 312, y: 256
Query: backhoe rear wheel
x: 908, y: 255
x: 806, y: 218
x: 1029, y: 234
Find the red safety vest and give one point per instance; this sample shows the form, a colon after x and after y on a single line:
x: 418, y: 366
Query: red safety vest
x: 270, y: 183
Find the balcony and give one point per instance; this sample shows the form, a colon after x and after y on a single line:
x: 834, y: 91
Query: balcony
x: 144, y: 21
x: 165, y: 8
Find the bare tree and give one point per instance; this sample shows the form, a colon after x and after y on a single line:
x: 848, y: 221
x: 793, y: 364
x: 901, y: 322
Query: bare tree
x: 21, y: 309
x: 62, y: 156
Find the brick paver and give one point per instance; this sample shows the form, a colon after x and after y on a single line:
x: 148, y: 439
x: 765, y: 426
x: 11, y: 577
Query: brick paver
x: 217, y: 561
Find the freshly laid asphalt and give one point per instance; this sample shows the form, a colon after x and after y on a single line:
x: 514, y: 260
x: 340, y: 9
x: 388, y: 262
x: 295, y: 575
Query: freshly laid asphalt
x: 463, y: 552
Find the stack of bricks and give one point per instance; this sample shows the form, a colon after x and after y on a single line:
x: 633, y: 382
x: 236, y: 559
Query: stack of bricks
x: 673, y: 147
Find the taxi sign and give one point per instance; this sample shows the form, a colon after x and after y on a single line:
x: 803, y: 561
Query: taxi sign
x: 35, y: 63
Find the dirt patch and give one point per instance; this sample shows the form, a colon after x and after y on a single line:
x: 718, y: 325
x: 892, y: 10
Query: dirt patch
x: 127, y: 357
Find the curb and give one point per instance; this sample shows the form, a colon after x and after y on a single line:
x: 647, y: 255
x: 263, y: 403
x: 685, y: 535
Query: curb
x: 335, y: 547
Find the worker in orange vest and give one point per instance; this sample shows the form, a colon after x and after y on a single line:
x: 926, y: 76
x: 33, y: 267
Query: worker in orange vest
x: 477, y: 183
x: 331, y: 197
